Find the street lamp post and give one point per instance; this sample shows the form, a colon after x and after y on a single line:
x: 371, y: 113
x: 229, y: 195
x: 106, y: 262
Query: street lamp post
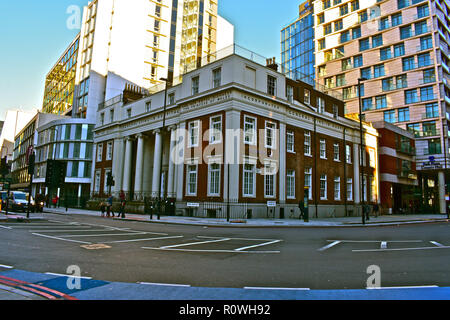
x: 167, y: 81
x: 361, y: 168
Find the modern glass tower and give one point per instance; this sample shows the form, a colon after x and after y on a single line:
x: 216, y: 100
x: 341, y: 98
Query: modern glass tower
x: 297, y: 46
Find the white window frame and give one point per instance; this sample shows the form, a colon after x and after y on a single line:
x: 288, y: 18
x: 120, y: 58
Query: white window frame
x: 272, y: 128
x: 307, y: 143
x: 323, y: 179
x: 336, y: 155
x: 216, y: 82
x: 195, y: 85
x: 100, y: 152
x: 109, y: 151
x: 290, y: 145
x: 269, y: 78
x: 323, y: 149
x: 252, y: 133
x: 194, y: 132
x: 290, y: 184
x: 320, y: 105
x: 309, y: 173
x: 372, y: 158
x: 349, y: 193
x: 252, y: 174
x: 188, y: 179
x: 307, y: 97
x: 348, y: 153
x: 290, y: 93
x: 217, y: 183
x: 97, y: 180
x: 215, y: 134
x: 105, y: 182
x: 272, y: 178
x: 337, y: 188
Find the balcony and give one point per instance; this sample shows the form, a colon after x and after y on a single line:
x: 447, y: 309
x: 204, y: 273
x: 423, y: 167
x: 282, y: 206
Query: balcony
x: 407, y: 174
x: 406, y: 149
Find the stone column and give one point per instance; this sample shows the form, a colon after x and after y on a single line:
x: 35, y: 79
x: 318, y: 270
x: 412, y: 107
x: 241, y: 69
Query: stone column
x: 139, y: 165
x: 171, y: 171
x: 127, y: 166
x: 156, y: 186
x: 117, y: 167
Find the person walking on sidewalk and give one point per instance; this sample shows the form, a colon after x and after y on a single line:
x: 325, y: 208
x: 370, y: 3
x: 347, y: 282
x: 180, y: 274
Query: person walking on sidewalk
x: 122, y: 204
x: 110, y: 206
x: 102, y: 208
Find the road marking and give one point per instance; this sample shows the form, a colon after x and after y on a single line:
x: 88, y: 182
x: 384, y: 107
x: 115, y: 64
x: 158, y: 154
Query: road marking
x: 195, y: 243
x: 437, y: 244
x: 383, y: 245
x: 330, y: 245
x: 148, y: 239
x: 67, y: 275
x: 57, y: 238
x: 401, y: 249
x: 212, y: 251
x: 6, y: 267
x: 165, y: 284
x: 269, y: 288
x: 258, y: 245
x: 57, y: 231
x: 46, y: 227
x: 376, y: 241
x: 102, y: 235
x: 405, y: 287
x: 98, y: 246
x: 9, y: 228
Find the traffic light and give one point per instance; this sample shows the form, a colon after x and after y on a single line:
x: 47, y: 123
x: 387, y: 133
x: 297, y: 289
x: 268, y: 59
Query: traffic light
x: 31, y: 161
x: 4, y: 167
x: 56, y: 172
x: 110, y: 179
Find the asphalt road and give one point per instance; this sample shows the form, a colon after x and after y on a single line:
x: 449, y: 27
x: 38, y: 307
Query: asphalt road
x: 314, y: 258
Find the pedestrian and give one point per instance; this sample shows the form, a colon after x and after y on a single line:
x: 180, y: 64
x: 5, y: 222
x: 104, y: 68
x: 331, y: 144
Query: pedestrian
x: 376, y: 208
x: 102, y: 208
x: 54, y: 201
x: 110, y: 206
x: 301, y: 206
x: 122, y: 204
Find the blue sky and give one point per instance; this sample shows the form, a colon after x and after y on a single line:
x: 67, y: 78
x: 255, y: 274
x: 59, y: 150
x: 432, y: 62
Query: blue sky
x: 33, y: 35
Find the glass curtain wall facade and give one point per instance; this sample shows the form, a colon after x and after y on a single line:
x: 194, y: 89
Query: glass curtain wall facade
x: 297, y: 46
x: 60, y: 82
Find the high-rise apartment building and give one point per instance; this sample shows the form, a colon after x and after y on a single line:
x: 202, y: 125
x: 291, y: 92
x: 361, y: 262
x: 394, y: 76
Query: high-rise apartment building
x: 399, y: 49
x: 297, y: 46
x: 132, y: 42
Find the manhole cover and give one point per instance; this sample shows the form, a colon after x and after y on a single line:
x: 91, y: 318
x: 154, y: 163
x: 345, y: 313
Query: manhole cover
x: 96, y: 246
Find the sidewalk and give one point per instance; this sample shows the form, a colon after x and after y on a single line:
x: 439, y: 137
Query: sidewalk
x: 322, y: 222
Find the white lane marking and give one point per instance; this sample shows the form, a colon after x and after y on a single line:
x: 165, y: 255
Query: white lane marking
x: 258, y: 245
x: 6, y: 267
x: 165, y: 284
x: 195, y: 243
x: 57, y: 238
x: 9, y: 228
x: 406, y: 287
x: 383, y: 245
x: 330, y: 246
x: 376, y: 241
x: 248, y: 239
x: 212, y: 251
x: 47, y: 227
x: 270, y: 288
x: 401, y: 249
x: 148, y: 239
x: 69, y: 230
x: 101, y: 235
x: 437, y: 244
x: 67, y: 275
